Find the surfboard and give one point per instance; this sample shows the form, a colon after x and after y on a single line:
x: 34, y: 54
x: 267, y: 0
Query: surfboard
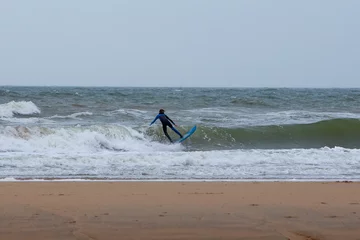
x: 188, y: 134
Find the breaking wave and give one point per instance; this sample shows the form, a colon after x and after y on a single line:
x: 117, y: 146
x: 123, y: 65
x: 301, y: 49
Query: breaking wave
x: 328, y: 133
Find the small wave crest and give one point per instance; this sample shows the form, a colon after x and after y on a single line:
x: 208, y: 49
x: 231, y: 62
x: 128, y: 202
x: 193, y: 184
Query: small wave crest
x: 12, y: 108
x: 73, y: 116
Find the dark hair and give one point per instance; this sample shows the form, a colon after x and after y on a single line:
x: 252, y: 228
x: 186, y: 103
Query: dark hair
x: 161, y: 110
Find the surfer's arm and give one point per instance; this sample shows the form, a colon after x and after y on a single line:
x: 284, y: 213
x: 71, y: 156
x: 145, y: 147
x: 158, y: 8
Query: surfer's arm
x: 170, y: 120
x: 157, y: 116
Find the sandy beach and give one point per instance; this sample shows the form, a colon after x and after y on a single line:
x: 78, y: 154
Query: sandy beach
x: 179, y: 210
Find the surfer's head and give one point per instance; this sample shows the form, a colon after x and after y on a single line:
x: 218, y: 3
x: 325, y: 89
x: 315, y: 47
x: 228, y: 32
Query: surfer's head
x: 161, y: 111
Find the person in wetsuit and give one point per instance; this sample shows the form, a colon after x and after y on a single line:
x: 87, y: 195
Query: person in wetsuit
x: 165, y: 120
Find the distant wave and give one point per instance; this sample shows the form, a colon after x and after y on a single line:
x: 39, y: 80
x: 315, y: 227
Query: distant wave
x: 18, y: 108
x: 57, y: 93
x: 249, y: 102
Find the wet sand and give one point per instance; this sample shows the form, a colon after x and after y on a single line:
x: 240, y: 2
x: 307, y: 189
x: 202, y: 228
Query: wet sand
x: 179, y: 210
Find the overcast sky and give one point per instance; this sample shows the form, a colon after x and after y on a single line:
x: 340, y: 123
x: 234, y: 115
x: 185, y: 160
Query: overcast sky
x: 187, y: 43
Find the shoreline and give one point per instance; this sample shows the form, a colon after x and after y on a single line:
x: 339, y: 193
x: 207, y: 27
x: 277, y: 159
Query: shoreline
x: 10, y: 179
x: 88, y: 210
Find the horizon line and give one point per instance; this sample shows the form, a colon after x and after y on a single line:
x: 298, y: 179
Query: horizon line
x: 218, y: 87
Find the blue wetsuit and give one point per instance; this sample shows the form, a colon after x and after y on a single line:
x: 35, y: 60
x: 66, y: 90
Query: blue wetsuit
x: 165, y: 120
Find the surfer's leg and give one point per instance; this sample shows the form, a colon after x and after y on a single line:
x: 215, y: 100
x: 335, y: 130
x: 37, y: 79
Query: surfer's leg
x: 166, y: 133
x: 178, y: 133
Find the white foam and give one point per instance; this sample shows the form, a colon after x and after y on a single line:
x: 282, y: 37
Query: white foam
x: 290, y: 164
x: 8, y: 110
x: 30, y: 120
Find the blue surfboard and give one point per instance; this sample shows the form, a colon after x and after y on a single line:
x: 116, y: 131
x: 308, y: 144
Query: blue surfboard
x: 188, y: 134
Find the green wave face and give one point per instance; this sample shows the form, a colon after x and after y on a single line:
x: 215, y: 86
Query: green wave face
x: 329, y: 133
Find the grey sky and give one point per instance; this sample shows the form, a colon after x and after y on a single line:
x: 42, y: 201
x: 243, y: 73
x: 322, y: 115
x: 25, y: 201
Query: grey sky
x: 308, y: 43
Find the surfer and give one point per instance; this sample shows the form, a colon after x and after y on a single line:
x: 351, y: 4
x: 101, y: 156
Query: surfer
x: 165, y: 120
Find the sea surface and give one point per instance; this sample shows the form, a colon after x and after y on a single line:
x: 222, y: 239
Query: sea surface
x: 243, y: 134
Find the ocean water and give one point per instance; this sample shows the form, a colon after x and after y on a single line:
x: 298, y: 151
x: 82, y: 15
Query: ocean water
x: 243, y: 134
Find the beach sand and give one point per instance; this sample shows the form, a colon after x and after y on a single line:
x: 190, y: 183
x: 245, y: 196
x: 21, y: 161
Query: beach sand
x: 179, y: 210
